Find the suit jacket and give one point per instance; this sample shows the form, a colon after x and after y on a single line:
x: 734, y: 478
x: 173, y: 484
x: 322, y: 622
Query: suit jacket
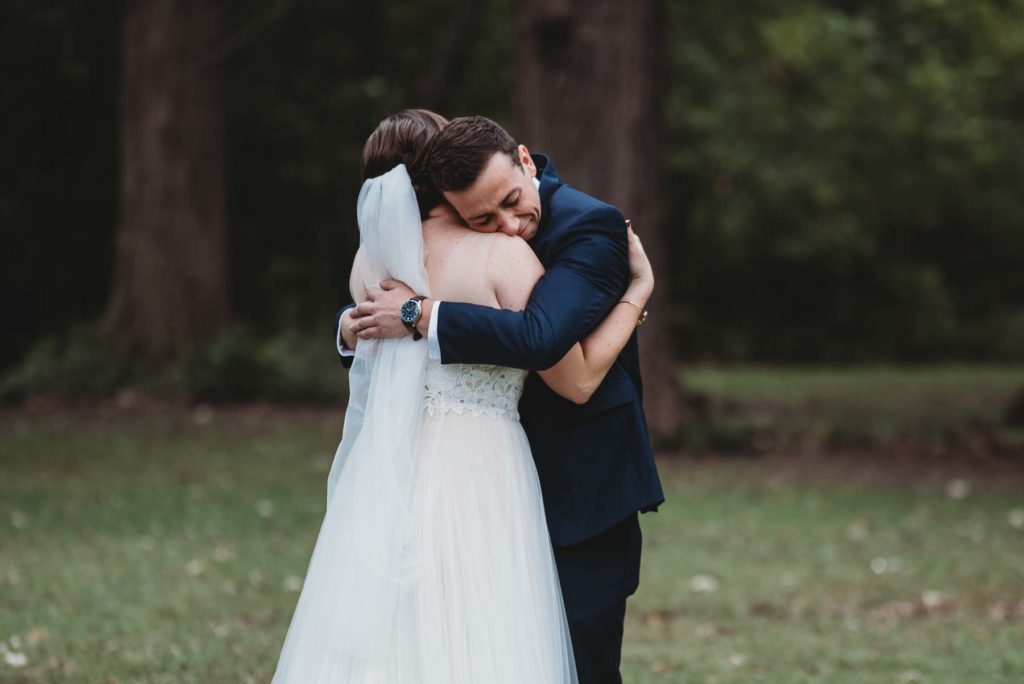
x: 594, y: 460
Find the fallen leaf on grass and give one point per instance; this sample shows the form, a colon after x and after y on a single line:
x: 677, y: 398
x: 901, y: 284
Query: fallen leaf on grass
x: 15, y: 659
x: 933, y: 600
x: 958, y: 489
x: 265, y: 508
x: 36, y: 636
x: 19, y: 520
x: 195, y: 567
x: 704, y: 584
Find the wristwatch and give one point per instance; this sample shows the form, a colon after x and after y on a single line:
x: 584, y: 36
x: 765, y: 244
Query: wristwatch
x: 411, y: 313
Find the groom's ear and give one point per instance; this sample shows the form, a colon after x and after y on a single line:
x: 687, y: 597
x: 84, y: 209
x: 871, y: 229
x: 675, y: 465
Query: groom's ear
x: 527, y: 161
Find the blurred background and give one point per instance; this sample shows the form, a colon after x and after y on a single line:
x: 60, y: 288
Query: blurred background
x: 831, y: 192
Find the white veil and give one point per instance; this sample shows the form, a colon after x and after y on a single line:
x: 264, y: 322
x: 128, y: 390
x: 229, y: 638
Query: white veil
x: 358, y: 569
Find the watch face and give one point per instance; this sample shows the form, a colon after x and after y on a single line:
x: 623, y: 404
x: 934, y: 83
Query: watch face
x: 408, y: 311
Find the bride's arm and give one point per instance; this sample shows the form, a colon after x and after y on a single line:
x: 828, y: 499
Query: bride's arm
x: 356, y: 281
x: 580, y: 372
x: 577, y: 376
x: 357, y: 288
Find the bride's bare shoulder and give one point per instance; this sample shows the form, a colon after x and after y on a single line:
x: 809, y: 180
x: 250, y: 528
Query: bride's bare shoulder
x: 511, y: 251
x: 512, y: 270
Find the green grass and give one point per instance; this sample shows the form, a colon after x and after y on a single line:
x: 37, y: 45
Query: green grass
x: 933, y: 408
x: 827, y: 581
x: 170, y: 549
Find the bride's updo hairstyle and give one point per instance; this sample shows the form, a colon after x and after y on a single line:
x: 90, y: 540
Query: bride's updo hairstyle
x: 398, y: 139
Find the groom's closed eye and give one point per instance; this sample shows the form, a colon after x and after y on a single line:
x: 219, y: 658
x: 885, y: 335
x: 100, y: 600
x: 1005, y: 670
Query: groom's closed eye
x: 511, y: 200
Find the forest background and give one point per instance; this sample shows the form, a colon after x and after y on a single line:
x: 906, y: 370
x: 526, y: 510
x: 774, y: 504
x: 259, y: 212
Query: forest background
x: 840, y: 182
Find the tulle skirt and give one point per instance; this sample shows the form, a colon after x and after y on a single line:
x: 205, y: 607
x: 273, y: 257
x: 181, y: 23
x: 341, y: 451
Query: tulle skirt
x: 480, y: 602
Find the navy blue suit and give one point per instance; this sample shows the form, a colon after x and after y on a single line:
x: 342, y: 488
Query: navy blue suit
x: 594, y: 460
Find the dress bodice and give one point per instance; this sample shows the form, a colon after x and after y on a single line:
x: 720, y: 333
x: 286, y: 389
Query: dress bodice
x: 473, y: 388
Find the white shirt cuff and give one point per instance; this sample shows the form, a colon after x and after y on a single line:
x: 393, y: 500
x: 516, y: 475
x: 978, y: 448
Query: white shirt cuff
x: 433, y: 345
x: 340, y: 341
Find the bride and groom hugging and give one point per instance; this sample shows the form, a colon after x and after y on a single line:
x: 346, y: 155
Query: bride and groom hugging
x: 482, y: 518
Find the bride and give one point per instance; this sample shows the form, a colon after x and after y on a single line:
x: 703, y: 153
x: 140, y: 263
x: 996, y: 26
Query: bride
x: 433, y: 564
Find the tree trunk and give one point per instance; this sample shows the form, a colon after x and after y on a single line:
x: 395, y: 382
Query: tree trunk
x: 589, y: 94
x: 170, y: 280
x: 454, y: 40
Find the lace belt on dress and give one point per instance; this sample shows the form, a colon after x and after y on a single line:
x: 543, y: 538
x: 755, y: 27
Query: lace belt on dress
x: 477, y: 389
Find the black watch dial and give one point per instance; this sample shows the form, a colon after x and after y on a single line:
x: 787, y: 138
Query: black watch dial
x: 410, y: 312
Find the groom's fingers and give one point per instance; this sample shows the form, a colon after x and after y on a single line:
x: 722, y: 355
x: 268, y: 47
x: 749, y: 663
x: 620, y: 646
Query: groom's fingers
x: 371, y: 320
x: 369, y: 333
x: 362, y: 323
x: 390, y: 284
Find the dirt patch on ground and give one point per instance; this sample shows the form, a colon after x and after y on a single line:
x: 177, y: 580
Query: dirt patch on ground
x: 958, y: 473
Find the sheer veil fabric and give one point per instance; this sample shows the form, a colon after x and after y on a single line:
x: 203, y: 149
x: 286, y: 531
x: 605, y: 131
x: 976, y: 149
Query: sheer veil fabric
x: 433, y: 564
x: 351, y: 589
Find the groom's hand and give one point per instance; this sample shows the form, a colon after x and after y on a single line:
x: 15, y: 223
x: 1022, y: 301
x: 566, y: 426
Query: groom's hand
x: 378, y: 317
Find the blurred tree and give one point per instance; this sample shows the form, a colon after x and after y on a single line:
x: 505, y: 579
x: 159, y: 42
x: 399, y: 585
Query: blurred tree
x: 303, y: 95
x: 843, y: 177
x: 849, y: 174
x: 1015, y: 411
x: 58, y: 133
x: 450, y: 51
x: 170, y: 279
x: 589, y: 93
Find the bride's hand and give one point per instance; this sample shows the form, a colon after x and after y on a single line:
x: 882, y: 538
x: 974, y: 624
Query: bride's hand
x: 641, y: 276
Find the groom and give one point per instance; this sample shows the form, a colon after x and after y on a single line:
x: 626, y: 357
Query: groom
x: 594, y: 460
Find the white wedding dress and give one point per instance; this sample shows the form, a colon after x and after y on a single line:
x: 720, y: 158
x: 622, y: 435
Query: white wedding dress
x: 433, y: 564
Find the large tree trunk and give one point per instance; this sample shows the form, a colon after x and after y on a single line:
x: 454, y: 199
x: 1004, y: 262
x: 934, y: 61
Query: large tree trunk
x: 170, y: 279
x: 453, y: 43
x: 589, y: 94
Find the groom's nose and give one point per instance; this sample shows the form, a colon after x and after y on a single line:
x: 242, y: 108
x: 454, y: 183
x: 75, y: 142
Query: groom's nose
x: 508, y: 223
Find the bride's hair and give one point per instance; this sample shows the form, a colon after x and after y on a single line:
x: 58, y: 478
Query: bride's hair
x: 398, y: 139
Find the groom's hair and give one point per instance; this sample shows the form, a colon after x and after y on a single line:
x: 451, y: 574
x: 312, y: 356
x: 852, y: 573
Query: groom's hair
x: 398, y: 139
x: 456, y: 156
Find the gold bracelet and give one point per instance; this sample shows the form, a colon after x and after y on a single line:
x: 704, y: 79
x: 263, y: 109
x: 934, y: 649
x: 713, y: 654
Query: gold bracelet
x: 643, y: 312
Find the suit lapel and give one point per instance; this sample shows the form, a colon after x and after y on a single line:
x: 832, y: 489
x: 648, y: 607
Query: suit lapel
x: 549, y: 183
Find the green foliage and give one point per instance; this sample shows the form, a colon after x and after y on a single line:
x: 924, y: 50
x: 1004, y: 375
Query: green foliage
x: 843, y: 178
x: 847, y: 178
x: 227, y: 369
x: 78, y: 365
x: 934, y: 410
x: 236, y: 366
x: 288, y: 368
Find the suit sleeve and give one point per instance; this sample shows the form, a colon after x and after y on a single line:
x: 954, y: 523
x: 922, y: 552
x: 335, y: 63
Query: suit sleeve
x: 346, y: 359
x: 586, y: 276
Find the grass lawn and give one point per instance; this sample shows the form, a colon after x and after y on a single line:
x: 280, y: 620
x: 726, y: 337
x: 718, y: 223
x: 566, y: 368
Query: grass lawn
x: 932, y: 408
x: 171, y: 549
